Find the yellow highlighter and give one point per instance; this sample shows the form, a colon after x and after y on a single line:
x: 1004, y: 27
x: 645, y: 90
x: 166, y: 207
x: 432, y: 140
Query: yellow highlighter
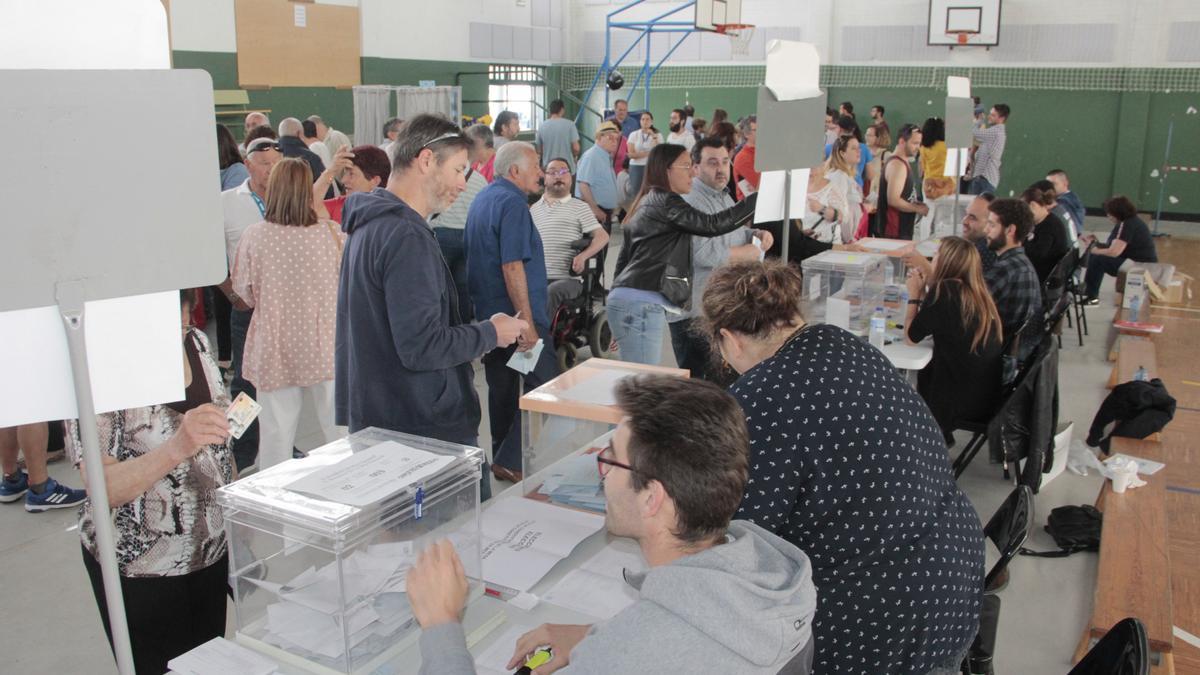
x: 540, y: 657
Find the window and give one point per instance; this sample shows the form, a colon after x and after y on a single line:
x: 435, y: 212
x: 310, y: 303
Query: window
x: 521, y: 89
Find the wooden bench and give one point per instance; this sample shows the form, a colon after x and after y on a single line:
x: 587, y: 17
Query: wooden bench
x: 1133, y: 352
x: 1133, y: 577
x: 234, y: 97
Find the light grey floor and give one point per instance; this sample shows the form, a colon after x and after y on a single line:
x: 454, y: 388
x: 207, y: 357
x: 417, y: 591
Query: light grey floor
x: 53, y: 625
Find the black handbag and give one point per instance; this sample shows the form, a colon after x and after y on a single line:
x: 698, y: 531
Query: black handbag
x: 1074, y: 528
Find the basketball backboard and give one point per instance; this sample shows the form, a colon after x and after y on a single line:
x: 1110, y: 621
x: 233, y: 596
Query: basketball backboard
x: 713, y: 13
x: 964, y: 23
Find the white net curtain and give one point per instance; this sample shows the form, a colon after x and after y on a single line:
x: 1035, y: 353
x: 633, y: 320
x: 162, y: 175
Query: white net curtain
x: 373, y: 107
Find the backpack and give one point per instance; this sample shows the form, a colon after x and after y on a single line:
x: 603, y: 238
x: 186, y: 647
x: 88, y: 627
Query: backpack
x: 1074, y: 528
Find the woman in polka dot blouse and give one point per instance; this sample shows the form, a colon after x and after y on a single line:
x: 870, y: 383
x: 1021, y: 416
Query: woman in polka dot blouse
x: 287, y: 269
x: 848, y: 464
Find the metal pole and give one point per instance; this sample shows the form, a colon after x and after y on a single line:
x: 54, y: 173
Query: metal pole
x: 70, y: 297
x: 1162, y: 177
x: 786, y: 230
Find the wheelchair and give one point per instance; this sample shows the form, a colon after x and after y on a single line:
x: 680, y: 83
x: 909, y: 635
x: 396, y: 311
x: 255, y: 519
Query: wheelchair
x: 583, y: 320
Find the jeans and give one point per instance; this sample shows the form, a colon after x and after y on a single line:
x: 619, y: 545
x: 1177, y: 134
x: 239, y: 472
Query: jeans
x: 504, y: 393
x: 637, y: 173
x: 1097, y: 267
x: 980, y: 185
x: 245, y: 449
x: 637, y: 328
x: 450, y: 240
x: 691, y: 351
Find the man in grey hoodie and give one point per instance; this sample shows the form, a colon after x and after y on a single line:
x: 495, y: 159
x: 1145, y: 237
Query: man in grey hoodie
x: 719, y: 596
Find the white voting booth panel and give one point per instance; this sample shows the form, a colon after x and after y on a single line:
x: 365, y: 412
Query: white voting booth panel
x: 78, y: 235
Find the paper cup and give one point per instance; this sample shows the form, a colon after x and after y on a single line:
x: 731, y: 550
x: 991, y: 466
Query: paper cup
x: 1121, y: 481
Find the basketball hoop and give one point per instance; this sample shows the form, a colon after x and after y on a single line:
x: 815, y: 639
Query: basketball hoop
x: 739, y: 36
x: 961, y: 36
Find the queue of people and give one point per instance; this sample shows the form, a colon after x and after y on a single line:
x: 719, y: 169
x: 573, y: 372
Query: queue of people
x: 373, y: 285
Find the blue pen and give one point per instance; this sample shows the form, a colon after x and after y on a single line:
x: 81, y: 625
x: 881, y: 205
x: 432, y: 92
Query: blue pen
x: 418, y: 508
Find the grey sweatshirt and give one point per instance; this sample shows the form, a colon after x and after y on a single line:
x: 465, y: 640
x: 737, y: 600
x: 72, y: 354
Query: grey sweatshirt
x: 743, y: 607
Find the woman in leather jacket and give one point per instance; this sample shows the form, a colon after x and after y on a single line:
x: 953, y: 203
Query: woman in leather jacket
x: 654, y: 268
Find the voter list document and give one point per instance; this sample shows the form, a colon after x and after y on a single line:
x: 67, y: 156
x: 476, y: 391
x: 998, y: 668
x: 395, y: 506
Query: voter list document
x: 523, y: 539
x: 372, y: 475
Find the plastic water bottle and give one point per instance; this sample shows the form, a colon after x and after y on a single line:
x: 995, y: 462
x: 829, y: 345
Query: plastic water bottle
x: 878, y: 328
x: 1135, y: 308
x: 1141, y: 375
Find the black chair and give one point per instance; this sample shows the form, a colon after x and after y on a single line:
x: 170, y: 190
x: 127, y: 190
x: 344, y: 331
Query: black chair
x: 1008, y: 529
x: 1078, y: 293
x: 1056, y: 296
x: 1124, y: 650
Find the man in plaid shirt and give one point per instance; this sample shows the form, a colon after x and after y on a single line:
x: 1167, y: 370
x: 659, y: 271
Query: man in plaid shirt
x: 990, y: 153
x: 1012, y: 278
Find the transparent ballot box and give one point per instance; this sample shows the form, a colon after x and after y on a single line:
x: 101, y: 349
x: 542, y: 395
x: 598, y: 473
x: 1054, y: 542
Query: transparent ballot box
x: 895, y: 250
x: 319, y: 547
x: 572, y: 414
x: 843, y: 288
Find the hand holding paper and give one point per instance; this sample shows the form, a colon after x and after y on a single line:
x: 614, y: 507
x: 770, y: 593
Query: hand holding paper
x: 437, y: 585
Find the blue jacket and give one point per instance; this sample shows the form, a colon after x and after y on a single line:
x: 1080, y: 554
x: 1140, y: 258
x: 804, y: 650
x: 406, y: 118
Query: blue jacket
x: 403, y: 355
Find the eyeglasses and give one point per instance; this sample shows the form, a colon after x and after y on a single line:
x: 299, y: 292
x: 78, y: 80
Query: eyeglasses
x: 444, y: 137
x: 262, y: 146
x: 605, y: 461
x: 685, y: 167
x: 558, y: 172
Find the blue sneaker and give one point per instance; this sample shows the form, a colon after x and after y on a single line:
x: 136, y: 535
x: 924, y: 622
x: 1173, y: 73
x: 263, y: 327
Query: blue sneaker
x: 56, y: 496
x: 12, y: 490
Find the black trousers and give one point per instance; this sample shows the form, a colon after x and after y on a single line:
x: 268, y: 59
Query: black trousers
x: 167, y: 616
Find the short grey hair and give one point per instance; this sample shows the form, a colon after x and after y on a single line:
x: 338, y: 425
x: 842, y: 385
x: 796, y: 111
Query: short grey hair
x: 744, y: 125
x: 290, y: 126
x: 515, y: 153
x: 266, y: 120
x: 481, y: 133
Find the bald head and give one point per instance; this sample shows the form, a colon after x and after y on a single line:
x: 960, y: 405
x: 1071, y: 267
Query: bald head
x: 257, y: 119
x: 290, y: 126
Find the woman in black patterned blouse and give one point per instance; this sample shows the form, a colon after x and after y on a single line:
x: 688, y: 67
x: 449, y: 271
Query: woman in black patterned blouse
x: 848, y: 464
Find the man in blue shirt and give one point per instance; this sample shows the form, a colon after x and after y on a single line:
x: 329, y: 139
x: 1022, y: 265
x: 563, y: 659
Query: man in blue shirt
x: 1069, y: 200
x: 506, y: 272
x: 595, y: 180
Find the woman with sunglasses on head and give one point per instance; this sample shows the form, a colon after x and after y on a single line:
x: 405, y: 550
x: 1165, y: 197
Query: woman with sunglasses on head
x: 847, y: 463
x: 654, y: 268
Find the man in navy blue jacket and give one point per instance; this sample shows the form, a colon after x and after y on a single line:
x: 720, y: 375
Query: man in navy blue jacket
x: 403, y: 354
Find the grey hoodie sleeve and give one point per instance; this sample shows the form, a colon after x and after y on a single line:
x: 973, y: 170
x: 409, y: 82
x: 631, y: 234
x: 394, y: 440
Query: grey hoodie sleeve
x: 411, y: 272
x: 444, y: 651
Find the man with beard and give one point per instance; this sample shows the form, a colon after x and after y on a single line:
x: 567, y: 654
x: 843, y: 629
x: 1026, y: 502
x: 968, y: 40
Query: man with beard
x: 1012, y: 279
x: 403, y: 354
x: 506, y: 273
x: 561, y: 219
x: 681, y: 134
x: 710, y: 175
x: 974, y: 224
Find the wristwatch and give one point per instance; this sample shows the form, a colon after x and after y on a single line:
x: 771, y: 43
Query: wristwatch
x: 914, y: 301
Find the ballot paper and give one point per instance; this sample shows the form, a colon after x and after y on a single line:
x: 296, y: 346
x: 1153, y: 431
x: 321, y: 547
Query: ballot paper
x: 372, y: 475
x: 770, y: 196
x: 598, y: 588
x: 575, y: 482
x: 523, y: 539
x: 523, y: 362
x: 219, y: 656
x: 599, y: 389
x: 494, y: 659
x: 307, y: 618
x: 957, y: 160
x: 1147, y: 467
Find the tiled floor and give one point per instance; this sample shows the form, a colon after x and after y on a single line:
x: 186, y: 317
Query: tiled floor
x: 53, y: 625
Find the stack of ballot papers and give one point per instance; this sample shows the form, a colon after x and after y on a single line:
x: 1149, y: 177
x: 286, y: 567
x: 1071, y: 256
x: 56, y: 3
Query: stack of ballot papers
x: 575, y: 482
x: 523, y: 539
x: 307, y: 620
x: 219, y: 656
x: 598, y: 588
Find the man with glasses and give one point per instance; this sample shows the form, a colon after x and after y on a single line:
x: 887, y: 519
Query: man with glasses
x: 710, y: 176
x: 403, y: 352
x: 244, y: 206
x: 562, y: 219
x: 720, y: 596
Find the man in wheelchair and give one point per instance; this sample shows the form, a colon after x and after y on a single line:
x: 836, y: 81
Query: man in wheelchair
x: 574, y: 244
